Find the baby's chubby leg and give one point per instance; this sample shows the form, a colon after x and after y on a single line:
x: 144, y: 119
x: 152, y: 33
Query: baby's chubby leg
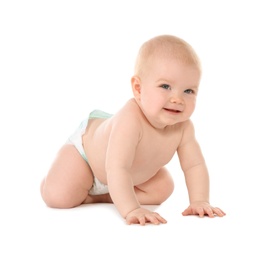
x: 68, y: 181
x: 156, y: 190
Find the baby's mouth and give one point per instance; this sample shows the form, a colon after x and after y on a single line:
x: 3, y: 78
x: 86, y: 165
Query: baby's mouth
x: 172, y: 110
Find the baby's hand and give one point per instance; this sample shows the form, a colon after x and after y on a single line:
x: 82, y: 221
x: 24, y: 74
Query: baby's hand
x: 142, y: 216
x: 203, y: 208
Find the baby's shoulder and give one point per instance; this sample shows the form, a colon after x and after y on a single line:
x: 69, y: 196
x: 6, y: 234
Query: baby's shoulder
x: 187, y: 132
x: 130, y: 112
x: 188, y: 126
x: 128, y: 119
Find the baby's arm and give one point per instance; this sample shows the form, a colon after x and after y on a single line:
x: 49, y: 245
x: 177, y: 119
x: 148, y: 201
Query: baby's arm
x: 196, y: 175
x: 120, y: 155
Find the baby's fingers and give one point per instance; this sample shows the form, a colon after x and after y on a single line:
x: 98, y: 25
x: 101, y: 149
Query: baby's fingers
x: 153, y: 218
x: 202, y: 209
x: 211, y: 212
x: 135, y: 220
x: 201, y: 212
x: 219, y: 212
x: 156, y: 219
x: 191, y: 211
x: 187, y: 212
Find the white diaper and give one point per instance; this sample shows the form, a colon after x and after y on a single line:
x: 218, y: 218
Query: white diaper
x: 98, y: 188
x: 76, y: 139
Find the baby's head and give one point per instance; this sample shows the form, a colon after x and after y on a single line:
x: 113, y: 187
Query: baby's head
x: 168, y: 46
x: 166, y: 78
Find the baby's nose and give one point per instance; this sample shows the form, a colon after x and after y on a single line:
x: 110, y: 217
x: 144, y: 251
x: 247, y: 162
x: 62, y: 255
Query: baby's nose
x: 176, y: 99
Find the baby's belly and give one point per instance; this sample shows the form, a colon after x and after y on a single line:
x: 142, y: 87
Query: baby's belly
x: 140, y: 176
x: 139, y: 173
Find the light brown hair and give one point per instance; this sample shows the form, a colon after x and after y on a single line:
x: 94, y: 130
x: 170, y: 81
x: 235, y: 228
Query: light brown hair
x: 169, y: 46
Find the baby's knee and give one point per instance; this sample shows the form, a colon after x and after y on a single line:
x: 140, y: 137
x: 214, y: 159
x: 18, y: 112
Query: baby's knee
x: 47, y: 196
x: 53, y: 198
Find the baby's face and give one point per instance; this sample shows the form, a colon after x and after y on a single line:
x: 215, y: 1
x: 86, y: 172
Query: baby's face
x: 168, y: 91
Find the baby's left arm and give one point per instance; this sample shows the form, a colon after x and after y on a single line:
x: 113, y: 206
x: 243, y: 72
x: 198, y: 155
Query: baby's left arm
x: 196, y: 175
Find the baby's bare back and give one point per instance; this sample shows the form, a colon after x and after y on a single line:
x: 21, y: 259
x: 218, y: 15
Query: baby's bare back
x: 153, y: 149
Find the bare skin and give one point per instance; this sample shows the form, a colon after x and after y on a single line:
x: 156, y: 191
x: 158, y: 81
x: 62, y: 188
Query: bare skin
x: 71, y: 178
x: 129, y: 151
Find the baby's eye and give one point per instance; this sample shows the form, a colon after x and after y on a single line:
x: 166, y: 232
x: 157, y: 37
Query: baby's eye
x: 165, y: 86
x: 189, y: 91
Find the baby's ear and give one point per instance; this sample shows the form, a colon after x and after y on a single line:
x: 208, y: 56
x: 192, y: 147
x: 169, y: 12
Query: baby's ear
x: 136, y: 87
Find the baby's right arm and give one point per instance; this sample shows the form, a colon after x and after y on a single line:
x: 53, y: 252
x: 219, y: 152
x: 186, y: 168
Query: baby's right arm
x: 123, y: 195
x: 120, y: 155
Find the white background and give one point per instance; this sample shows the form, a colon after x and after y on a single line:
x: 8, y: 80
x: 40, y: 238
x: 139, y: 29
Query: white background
x: 61, y: 59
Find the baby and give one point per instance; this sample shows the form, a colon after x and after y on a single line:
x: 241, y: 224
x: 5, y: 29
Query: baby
x: 121, y: 158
